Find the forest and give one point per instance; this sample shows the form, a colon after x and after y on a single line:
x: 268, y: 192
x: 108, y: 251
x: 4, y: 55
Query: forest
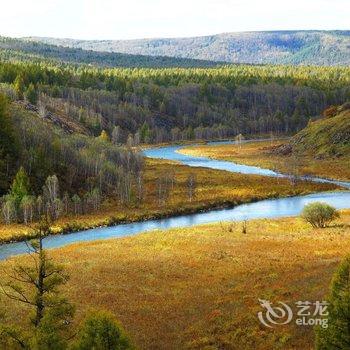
x: 79, y: 127
x: 31, y: 51
x: 315, y: 47
x: 159, y: 105
x: 44, y: 169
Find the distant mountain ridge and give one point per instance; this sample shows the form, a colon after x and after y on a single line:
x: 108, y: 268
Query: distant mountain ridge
x: 35, y: 51
x: 274, y: 47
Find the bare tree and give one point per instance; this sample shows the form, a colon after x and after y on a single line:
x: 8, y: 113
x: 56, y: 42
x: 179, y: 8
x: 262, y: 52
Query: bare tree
x: 77, y: 204
x: 140, y: 186
x: 163, y: 188
x: 9, y: 210
x: 191, y: 186
x: 51, y: 195
x: 116, y: 135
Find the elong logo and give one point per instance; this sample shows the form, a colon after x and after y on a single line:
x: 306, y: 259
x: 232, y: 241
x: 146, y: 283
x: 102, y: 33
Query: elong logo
x: 308, y: 314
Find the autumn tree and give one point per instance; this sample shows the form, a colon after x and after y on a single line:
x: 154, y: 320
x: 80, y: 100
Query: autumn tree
x: 104, y: 136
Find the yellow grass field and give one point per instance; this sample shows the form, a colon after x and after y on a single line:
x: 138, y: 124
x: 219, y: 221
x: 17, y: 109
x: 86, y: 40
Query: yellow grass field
x: 259, y: 154
x: 198, y: 288
x: 214, y: 189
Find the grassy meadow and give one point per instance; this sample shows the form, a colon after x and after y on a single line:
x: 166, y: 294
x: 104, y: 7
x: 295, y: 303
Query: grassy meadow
x: 260, y: 154
x: 214, y: 188
x: 198, y: 288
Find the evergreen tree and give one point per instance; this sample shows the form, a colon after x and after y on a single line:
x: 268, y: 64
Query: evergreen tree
x: 20, y: 187
x: 31, y: 94
x: 144, y: 133
x: 38, y: 287
x: 19, y: 86
x: 337, y: 334
x: 101, y: 331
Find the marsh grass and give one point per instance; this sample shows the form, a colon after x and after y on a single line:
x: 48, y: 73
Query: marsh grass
x: 198, y: 288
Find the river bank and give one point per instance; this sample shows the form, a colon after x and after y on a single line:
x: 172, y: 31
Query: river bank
x: 261, y: 154
x: 214, y: 189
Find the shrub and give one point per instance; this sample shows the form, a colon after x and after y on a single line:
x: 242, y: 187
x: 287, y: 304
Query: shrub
x: 337, y: 334
x: 101, y: 331
x: 319, y: 214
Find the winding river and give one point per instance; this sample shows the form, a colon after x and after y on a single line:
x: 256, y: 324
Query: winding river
x: 270, y: 208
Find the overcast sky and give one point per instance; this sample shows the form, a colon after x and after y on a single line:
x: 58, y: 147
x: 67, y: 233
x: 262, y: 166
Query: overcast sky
x: 131, y: 19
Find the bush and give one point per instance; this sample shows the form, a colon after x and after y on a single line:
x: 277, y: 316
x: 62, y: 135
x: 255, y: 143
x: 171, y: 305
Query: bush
x: 101, y: 331
x: 337, y: 334
x: 319, y: 214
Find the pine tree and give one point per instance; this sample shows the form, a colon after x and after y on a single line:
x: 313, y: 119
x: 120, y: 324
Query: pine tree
x: 19, y: 86
x: 37, y: 287
x: 101, y: 331
x: 337, y: 334
x: 20, y: 187
x: 31, y: 94
x: 144, y: 133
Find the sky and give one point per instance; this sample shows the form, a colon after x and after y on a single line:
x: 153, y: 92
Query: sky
x: 133, y: 19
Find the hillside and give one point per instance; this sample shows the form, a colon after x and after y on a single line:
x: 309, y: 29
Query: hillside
x: 328, y: 137
x: 176, y: 104
x: 278, y: 47
x: 25, y: 50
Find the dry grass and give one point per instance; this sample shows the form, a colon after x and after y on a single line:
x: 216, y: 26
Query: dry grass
x: 198, y: 288
x: 259, y: 154
x: 214, y: 188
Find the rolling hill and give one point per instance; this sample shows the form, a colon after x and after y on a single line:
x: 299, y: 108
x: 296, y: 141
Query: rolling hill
x: 24, y: 50
x: 327, y: 137
x: 277, y: 47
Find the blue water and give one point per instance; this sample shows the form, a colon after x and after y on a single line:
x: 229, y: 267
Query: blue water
x: 271, y: 208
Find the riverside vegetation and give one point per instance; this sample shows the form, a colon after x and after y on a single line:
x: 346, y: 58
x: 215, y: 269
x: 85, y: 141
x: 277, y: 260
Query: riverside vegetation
x: 167, y: 191
x: 321, y: 149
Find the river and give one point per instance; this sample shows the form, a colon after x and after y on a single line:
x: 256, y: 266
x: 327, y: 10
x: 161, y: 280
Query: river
x: 270, y: 208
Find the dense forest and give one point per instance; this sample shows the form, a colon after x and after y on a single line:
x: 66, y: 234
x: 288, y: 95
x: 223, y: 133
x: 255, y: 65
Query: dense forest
x: 158, y: 105
x: 276, y: 47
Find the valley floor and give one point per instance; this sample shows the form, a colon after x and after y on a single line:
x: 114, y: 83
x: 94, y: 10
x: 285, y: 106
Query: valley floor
x: 259, y: 154
x: 198, y: 288
x: 214, y: 188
